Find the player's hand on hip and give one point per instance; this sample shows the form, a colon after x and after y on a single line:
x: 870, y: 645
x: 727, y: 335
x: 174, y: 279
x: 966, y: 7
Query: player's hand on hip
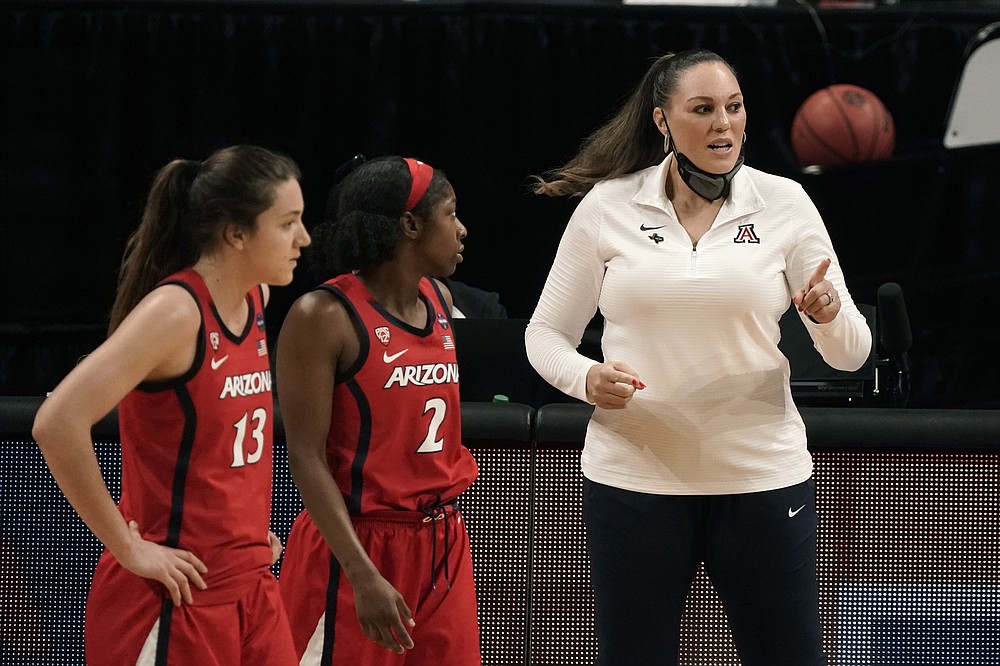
x: 384, y: 616
x: 611, y: 385
x: 819, y: 298
x: 176, y: 569
x: 275, y: 543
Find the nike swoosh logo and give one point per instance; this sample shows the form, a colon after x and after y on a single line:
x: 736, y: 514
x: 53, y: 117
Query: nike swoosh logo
x: 216, y: 362
x: 791, y: 514
x: 389, y: 359
x: 643, y: 227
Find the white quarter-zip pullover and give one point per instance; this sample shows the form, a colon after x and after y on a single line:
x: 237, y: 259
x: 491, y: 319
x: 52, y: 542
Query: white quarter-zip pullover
x: 700, y: 327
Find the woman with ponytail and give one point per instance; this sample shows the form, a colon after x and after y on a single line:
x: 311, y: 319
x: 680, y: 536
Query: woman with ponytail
x: 695, y: 452
x: 185, y: 578
x: 378, y: 567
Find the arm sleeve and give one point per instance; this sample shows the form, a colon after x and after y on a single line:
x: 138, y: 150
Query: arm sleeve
x: 568, y: 302
x: 846, y: 342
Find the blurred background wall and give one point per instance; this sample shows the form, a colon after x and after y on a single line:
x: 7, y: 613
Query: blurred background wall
x: 95, y: 96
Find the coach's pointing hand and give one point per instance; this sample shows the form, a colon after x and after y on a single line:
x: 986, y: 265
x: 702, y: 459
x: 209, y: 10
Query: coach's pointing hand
x: 819, y: 298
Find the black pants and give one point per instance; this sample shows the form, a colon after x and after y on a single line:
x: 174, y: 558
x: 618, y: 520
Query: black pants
x: 759, y: 550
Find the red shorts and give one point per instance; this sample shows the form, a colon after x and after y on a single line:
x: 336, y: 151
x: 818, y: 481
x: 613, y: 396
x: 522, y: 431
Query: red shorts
x: 128, y: 622
x: 410, y: 554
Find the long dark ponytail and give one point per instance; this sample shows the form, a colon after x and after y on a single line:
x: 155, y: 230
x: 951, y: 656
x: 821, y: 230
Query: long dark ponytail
x: 189, y: 203
x: 629, y: 141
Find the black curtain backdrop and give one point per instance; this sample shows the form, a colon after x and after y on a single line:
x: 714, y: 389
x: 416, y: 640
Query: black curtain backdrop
x: 95, y: 96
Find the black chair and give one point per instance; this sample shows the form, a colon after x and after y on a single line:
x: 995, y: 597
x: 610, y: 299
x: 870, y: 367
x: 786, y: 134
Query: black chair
x: 813, y: 382
x: 492, y: 363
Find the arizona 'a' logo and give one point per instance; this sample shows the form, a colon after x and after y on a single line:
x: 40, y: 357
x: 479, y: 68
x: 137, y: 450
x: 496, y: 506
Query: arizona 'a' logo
x: 382, y: 333
x: 746, y: 235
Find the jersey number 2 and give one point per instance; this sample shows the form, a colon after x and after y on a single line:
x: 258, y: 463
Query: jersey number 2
x: 259, y: 418
x: 431, y: 443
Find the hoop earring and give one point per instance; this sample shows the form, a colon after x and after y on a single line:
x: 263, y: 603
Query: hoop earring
x: 666, y: 143
x: 744, y: 137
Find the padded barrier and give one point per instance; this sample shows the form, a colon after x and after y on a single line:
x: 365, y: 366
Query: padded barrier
x: 909, y: 561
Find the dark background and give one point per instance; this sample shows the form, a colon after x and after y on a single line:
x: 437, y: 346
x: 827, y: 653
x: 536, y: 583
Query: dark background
x: 95, y: 96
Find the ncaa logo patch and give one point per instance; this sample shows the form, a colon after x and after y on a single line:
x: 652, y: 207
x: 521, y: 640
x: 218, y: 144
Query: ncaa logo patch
x: 442, y: 320
x: 382, y: 333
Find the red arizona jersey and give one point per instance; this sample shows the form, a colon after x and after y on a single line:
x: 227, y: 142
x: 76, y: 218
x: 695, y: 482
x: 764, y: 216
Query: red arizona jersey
x: 395, y: 438
x: 196, y: 451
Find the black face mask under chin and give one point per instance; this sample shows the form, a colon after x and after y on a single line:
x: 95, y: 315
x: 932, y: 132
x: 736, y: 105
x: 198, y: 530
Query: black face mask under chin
x: 710, y: 186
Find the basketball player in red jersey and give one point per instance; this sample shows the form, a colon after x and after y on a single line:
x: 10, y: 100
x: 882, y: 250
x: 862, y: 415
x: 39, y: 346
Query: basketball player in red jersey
x: 185, y: 575
x: 378, y: 568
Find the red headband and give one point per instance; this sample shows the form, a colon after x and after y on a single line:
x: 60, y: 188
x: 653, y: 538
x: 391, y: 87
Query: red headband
x: 420, y: 180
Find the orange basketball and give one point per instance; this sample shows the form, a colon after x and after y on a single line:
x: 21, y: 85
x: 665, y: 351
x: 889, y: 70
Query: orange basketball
x: 841, y: 124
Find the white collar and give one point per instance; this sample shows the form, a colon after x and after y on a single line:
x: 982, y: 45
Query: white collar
x: 743, y: 198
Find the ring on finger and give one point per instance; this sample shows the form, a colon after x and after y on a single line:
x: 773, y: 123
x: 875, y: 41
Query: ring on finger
x: 829, y: 298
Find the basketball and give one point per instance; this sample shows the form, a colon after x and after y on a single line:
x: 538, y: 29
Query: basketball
x: 842, y: 124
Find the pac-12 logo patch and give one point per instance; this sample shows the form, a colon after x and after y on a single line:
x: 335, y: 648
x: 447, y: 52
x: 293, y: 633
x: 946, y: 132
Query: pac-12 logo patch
x: 260, y: 321
x: 382, y: 333
x: 442, y: 320
x: 213, y: 338
x: 746, y: 234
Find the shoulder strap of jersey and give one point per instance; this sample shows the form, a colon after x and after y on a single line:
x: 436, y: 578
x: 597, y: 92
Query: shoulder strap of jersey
x: 189, y: 280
